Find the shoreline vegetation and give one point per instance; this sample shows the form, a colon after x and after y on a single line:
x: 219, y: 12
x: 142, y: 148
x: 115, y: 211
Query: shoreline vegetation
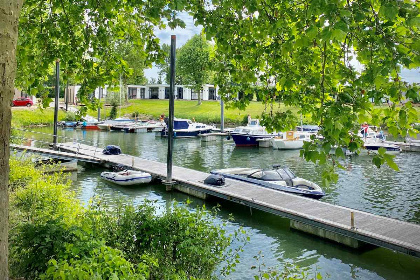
x: 54, y: 236
x: 208, y: 112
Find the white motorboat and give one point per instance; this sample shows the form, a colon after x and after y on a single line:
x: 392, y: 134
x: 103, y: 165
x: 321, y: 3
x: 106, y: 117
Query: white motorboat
x: 372, y: 146
x: 278, y: 178
x: 291, y: 140
x: 127, y: 177
x: 249, y: 135
x: 187, y: 128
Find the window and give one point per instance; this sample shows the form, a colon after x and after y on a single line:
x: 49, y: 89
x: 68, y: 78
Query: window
x: 212, y: 93
x: 142, y: 93
x: 194, y: 95
x: 180, y: 92
x: 167, y: 92
x: 154, y: 93
x: 132, y: 93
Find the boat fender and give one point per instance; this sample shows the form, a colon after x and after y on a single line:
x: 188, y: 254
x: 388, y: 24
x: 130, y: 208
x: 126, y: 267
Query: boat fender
x: 247, y: 139
x: 215, y: 180
x: 174, y: 134
x: 228, y: 137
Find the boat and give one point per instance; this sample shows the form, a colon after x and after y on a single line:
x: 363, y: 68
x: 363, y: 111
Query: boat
x: 372, y: 146
x: 106, y: 125
x: 291, y: 140
x: 145, y: 126
x: 90, y: 126
x: 127, y: 177
x: 308, y: 128
x: 277, y: 178
x: 246, y: 136
x: 186, y: 128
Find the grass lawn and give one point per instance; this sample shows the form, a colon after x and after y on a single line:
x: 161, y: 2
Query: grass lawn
x: 207, y: 112
x: 23, y: 116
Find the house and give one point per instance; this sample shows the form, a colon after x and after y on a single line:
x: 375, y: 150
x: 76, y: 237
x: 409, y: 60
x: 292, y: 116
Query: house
x: 151, y: 91
x: 161, y: 91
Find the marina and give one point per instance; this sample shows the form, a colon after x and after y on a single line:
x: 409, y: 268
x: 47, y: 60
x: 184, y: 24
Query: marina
x: 364, y: 188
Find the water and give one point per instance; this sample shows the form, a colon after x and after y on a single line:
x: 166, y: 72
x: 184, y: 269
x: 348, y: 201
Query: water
x: 361, y: 186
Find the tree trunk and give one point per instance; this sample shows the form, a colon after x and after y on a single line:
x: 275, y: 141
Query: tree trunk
x: 9, y: 19
x: 199, y: 96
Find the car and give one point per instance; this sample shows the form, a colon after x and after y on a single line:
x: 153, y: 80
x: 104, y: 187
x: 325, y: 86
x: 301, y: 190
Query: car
x: 23, y: 101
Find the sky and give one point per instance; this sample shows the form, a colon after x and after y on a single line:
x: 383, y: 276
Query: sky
x: 183, y: 35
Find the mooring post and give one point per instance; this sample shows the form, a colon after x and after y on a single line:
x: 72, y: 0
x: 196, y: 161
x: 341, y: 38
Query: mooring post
x: 99, y: 106
x: 132, y: 162
x: 352, y: 220
x: 169, y: 181
x: 222, y: 116
x: 57, y: 93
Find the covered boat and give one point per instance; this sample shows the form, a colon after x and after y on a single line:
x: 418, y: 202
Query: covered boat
x: 278, y: 178
x: 127, y: 177
x: 187, y: 128
x: 248, y: 135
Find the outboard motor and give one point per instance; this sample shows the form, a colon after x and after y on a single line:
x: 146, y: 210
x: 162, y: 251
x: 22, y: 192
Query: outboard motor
x: 111, y: 150
x: 215, y: 180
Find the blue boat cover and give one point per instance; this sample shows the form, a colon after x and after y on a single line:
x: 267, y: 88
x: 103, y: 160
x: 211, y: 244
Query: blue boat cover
x: 180, y: 124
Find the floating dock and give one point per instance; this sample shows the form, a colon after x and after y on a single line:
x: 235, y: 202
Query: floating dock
x: 340, y: 224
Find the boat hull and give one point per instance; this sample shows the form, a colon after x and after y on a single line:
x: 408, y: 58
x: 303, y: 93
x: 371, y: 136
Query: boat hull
x: 287, y: 145
x: 135, y: 179
x: 185, y: 133
x: 246, y: 140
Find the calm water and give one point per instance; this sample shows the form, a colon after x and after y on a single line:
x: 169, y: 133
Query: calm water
x: 361, y: 186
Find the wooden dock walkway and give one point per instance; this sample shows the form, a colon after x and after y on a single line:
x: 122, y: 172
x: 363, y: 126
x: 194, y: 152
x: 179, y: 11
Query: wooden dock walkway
x: 309, y: 215
x: 59, y: 154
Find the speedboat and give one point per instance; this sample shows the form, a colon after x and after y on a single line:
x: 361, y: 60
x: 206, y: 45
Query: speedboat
x: 291, y: 140
x: 278, y: 178
x: 248, y: 135
x: 187, y: 128
x: 106, y: 125
x: 372, y: 146
x: 127, y: 177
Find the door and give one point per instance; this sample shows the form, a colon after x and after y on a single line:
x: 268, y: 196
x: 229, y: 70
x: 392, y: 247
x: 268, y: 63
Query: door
x: 180, y: 94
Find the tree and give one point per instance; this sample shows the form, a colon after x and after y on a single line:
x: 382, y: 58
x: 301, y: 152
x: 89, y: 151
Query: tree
x: 303, y: 54
x: 84, y: 35
x: 193, y: 63
x: 9, y: 16
x: 163, y: 66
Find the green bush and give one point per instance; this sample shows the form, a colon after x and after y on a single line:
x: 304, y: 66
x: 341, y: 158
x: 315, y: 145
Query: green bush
x: 70, y: 117
x: 53, y: 237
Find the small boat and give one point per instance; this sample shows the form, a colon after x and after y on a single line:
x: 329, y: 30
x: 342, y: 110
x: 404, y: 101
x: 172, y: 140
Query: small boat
x: 186, y: 128
x: 127, y: 177
x: 145, y: 126
x: 372, y: 146
x: 246, y: 136
x: 106, y: 125
x: 277, y: 178
x: 90, y: 126
x: 308, y: 128
x: 291, y: 140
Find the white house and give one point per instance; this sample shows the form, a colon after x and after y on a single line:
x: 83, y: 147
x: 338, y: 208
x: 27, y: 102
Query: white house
x: 155, y: 91
x: 161, y: 91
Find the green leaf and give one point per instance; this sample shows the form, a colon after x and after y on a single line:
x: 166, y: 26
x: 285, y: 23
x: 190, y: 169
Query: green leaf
x: 381, y: 151
x: 390, y: 161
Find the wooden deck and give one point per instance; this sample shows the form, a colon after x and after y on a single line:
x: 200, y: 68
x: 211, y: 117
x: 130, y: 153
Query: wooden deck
x: 377, y: 230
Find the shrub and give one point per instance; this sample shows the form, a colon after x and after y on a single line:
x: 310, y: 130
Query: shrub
x: 53, y: 237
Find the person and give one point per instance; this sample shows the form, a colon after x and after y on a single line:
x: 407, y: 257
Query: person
x: 249, y: 118
x: 193, y: 119
x: 365, y: 128
x: 162, y: 118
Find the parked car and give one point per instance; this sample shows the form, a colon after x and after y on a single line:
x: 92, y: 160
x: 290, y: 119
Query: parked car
x: 24, y: 101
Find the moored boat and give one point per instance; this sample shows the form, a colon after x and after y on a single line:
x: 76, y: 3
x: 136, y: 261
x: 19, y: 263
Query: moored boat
x: 186, y: 128
x: 291, y: 140
x: 127, y: 177
x: 248, y: 135
x: 278, y: 178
